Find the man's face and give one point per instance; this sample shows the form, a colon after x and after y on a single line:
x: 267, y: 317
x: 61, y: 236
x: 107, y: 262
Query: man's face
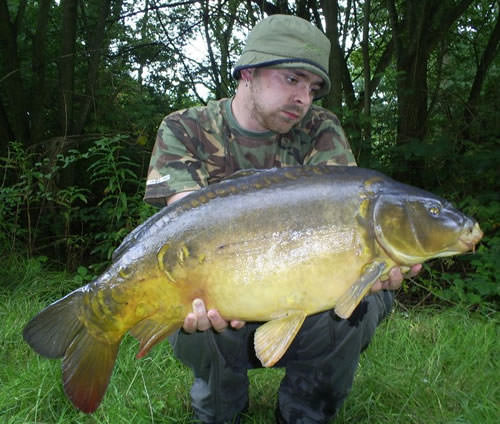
x: 280, y: 98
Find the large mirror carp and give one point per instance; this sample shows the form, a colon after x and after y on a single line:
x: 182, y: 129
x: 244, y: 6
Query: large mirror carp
x: 273, y: 246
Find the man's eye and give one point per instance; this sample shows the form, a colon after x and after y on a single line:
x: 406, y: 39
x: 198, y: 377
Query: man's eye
x: 292, y: 79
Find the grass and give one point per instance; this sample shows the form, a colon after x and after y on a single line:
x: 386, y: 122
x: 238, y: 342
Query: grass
x: 425, y: 366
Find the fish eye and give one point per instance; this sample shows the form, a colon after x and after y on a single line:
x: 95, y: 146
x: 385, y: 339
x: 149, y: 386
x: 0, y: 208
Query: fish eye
x: 125, y: 272
x: 435, y: 210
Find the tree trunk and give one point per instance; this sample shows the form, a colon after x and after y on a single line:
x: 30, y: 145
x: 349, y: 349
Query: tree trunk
x: 423, y: 25
x: 331, y: 12
x: 39, y: 67
x: 66, y: 65
x: 225, y: 32
x: 96, y: 42
x: 144, y: 27
x: 412, y: 53
x: 5, y: 131
x: 213, y: 62
x: 365, y: 47
x: 11, y: 81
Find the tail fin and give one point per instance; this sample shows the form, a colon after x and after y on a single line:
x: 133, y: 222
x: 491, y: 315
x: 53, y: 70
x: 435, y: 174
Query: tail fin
x: 52, y: 330
x: 87, y: 367
x: 88, y: 361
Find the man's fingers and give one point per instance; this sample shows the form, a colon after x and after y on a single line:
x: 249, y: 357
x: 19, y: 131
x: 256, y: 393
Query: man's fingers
x: 395, y: 277
x: 190, y: 323
x: 414, y: 270
x: 237, y: 324
x: 202, y: 321
x: 218, y: 323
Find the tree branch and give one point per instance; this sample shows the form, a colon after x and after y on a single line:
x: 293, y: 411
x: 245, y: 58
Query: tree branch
x: 152, y: 8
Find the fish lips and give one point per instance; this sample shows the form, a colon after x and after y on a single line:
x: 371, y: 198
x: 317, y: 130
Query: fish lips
x: 471, y: 239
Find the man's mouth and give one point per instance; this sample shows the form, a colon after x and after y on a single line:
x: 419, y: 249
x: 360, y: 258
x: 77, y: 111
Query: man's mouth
x: 292, y: 114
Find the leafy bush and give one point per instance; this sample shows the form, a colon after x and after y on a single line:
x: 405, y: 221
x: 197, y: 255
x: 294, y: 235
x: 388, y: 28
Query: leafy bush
x: 121, y: 208
x: 93, y: 214
x: 30, y: 199
x: 479, y: 284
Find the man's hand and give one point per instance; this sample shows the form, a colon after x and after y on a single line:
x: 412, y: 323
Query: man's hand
x: 395, y: 279
x: 201, y: 320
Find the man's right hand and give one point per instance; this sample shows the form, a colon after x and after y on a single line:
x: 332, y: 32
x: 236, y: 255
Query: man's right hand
x: 201, y: 319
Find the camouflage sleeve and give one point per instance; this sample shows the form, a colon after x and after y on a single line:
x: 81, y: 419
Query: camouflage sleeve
x: 174, y: 166
x: 330, y: 145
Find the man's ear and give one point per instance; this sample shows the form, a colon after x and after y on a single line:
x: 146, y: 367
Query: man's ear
x: 246, y: 74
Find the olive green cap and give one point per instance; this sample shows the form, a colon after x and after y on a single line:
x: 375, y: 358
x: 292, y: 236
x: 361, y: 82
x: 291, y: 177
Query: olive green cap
x: 285, y: 41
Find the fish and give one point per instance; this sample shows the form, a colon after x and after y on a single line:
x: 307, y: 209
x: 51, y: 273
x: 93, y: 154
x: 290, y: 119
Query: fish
x: 272, y: 246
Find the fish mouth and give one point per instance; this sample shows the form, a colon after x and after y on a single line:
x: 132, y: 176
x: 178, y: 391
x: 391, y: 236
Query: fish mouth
x: 469, y: 240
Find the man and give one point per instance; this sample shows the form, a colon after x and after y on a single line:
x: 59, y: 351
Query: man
x: 270, y: 122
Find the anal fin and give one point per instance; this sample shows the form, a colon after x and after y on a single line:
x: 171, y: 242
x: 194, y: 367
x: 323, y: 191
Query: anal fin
x: 273, y: 338
x: 149, y: 333
x: 350, y: 299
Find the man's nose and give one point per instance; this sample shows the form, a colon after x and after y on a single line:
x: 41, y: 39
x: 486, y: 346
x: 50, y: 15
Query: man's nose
x: 303, y: 94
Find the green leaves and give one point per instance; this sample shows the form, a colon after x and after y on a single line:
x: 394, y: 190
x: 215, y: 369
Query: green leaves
x: 95, y: 213
x: 115, y: 176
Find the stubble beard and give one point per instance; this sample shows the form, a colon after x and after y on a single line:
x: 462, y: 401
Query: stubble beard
x: 271, y: 120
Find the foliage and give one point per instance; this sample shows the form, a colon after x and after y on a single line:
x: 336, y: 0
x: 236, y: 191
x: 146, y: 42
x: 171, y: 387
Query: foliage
x: 28, y: 190
x: 121, y: 208
x: 35, y: 212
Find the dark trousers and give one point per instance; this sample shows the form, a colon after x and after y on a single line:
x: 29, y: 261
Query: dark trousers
x: 320, y: 364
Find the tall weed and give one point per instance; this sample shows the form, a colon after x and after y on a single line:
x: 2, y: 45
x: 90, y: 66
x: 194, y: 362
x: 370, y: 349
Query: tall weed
x: 120, y: 209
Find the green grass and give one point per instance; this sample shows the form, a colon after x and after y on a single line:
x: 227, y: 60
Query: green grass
x: 425, y: 366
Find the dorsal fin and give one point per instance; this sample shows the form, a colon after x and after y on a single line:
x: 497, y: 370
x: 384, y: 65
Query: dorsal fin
x: 243, y: 173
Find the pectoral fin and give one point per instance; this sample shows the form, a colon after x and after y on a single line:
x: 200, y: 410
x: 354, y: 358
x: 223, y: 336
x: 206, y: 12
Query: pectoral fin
x: 351, y: 298
x: 273, y: 338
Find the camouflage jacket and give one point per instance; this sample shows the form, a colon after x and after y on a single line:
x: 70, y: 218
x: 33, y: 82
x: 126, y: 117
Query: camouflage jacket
x: 202, y: 145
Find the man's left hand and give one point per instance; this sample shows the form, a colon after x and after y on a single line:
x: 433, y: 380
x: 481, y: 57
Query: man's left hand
x: 395, y: 279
